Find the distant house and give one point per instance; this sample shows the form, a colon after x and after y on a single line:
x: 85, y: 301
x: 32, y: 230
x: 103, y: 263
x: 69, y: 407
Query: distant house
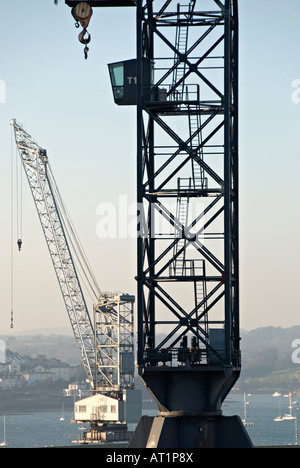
x: 10, y: 383
x: 37, y: 376
x: 4, y: 368
x: 63, y: 373
x: 14, y: 367
x: 39, y: 369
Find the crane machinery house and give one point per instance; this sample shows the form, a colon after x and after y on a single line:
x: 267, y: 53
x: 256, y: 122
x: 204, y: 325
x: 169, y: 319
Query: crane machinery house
x: 104, y: 408
x: 99, y: 407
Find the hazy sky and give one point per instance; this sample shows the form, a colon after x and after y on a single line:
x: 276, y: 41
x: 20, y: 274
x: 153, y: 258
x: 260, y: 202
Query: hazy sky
x: 66, y: 104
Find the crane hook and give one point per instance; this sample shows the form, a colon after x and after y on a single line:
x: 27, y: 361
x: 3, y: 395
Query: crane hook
x: 19, y: 242
x: 86, y: 50
x: 85, y: 40
x: 81, y: 37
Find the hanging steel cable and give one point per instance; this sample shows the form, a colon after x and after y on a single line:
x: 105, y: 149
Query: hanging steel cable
x: 12, y: 236
x: 19, y: 203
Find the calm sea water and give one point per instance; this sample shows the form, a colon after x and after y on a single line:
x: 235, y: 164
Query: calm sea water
x: 261, y: 411
x: 45, y: 428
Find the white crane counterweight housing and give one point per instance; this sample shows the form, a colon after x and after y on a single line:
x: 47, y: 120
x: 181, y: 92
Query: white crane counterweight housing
x: 100, y: 347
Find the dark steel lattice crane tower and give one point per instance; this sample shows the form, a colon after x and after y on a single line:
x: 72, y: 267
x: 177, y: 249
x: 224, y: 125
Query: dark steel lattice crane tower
x: 184, y: 82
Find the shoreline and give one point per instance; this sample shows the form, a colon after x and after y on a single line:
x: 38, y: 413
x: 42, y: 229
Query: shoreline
x: 34, y: 404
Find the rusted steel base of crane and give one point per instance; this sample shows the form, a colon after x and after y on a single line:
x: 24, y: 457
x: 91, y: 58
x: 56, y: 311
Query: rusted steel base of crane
x: 184, y: 431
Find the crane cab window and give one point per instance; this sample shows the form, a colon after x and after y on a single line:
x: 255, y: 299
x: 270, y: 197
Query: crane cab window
x: 116, y: 71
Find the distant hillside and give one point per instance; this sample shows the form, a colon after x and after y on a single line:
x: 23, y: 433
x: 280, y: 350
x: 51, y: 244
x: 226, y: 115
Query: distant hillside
x: 266, y: 355
x: 264, y: 338
x: 61, y: 342
x: 62, y: 347
x: 267, y: 360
